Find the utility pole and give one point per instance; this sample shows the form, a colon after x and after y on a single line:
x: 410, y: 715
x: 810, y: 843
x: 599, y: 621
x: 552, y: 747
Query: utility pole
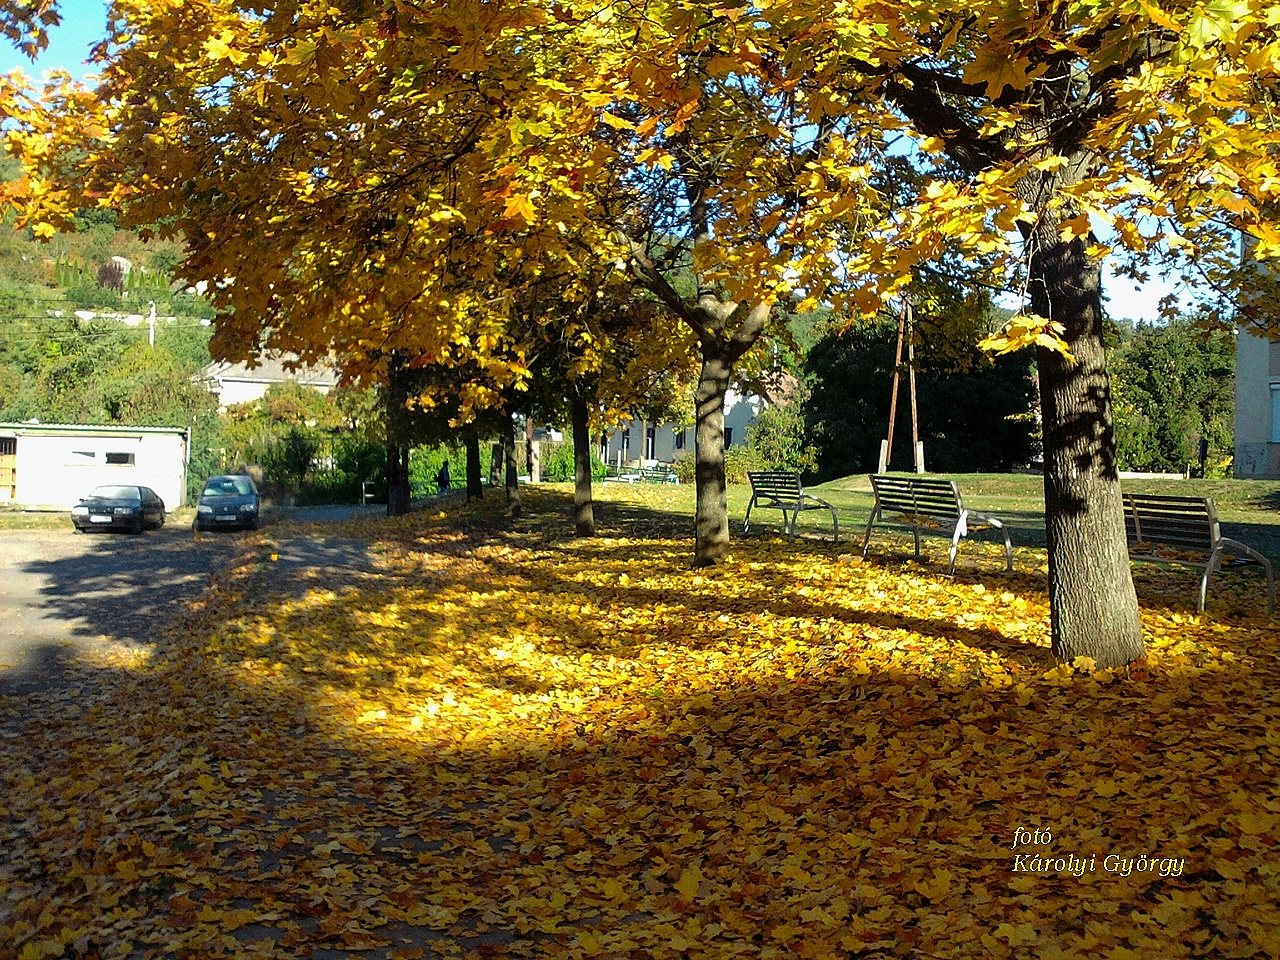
x: 906, y: 322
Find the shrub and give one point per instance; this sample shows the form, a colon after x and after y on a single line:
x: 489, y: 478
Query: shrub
x: 557, y: 463
x: 686, y: 467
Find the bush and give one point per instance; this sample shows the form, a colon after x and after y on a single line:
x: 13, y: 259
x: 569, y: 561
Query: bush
x: 557, y: 463
x: 776, y: 441
x: 425, y: 464
x: 686, y: 467
x: 737, y: 461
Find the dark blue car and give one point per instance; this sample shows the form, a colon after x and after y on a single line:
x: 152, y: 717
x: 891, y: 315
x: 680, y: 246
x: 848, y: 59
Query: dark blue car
x: 228, y: 502
x: 119, y: 506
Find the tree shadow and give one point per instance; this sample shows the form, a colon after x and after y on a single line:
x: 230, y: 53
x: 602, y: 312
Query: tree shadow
x: 111, y: 590
x: 734, y: 811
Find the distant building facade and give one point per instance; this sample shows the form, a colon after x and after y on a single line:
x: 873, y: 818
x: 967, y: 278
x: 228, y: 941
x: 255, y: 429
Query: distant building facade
x: 636, y: 441
x: 235, y: 383
x: 1257, y: 419
x: 51, y: 466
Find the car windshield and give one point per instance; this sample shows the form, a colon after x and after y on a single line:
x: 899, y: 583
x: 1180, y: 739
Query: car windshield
x: 114, y: 492
x: 228, y: 487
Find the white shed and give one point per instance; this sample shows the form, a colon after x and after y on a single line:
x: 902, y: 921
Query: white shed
x: 50, y: 466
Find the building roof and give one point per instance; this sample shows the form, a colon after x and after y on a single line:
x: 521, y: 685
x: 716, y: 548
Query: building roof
x: 36, y: 429
x: 272, y: 370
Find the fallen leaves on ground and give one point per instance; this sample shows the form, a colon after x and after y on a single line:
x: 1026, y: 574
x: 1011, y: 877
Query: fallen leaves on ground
x: 512, y: 743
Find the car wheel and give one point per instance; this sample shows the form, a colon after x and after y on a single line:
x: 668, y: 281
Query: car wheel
x: 138, y: 526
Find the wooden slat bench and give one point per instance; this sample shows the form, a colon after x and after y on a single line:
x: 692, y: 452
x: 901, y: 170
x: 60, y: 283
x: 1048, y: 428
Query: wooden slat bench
x: 1188, y: 529
x: 781, y: 490
x: 933, y: 505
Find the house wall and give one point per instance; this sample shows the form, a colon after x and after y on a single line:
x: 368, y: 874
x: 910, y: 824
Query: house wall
x: 54, y: 471
x: 739, y: 411
x: 230, y: 390
x: 1257, y: 412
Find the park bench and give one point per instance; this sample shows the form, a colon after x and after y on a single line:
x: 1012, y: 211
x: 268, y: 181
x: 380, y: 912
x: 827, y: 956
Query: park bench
x: 618, y: 474
x: 658, y: 473
x: 930, y: 504
x: 1185, y: 531
x: 781, y: 490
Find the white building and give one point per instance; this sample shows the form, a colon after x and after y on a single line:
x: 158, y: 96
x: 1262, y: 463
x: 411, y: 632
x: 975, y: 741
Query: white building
x: 51, y: 466
x: 239, y: 383
x: 1257, y: 432
x: 635, y: 441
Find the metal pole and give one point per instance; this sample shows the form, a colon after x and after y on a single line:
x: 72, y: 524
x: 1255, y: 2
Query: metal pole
x: 886, y: 451
x: 917, y: 448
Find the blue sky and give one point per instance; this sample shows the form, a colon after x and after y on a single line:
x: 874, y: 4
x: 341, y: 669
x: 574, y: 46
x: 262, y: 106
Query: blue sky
x: 84, y: 21
x: 83, y: 24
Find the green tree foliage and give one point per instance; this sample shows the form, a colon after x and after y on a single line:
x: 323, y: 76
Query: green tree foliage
x: 977, y: 418
x: 1173, y: 384
x: 557, y: 463
x: 282, y: 431
x: 775, y: 441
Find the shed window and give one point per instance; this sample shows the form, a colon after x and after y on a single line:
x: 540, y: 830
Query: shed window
x: 8, y: 446
x: 122, y: 458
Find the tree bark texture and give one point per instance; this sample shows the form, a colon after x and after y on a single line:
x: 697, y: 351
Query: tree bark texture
x: 1093, y: 604
x: 475, y: 486
x: 711, y: 519
x: 584, y: 523
x: 398, y: 488
x: 514, y: 508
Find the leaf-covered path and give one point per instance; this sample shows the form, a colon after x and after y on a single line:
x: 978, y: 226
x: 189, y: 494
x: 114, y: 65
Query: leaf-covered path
x: 463, y: 740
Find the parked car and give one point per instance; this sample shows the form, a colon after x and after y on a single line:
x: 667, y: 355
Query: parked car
x: 229, y: 502
x: 119, y: 506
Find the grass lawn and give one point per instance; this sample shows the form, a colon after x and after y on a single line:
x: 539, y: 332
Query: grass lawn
x: 499, y: 740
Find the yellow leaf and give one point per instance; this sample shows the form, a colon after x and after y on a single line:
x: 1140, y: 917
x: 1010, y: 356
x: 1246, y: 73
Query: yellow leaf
x: 1107, y: 788
x: 1019, y: 935
x: 617, y: 122
x: 690, y: 880
x: 993, y: 66
x: 519, y: 205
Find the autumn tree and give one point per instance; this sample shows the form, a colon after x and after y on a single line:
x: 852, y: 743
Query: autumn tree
x: 1055, y: 136
x: 360, y: 181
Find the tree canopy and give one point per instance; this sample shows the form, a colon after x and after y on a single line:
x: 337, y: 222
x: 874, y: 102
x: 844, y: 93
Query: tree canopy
x: 371, y: 179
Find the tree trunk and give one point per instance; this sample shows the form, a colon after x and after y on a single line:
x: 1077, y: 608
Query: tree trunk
x: 475, y: 488
x: 711, y: 520
x: 1093, y: 605
x: 509, y: 456
x: 495, y: 464
x: 398, y: 489
x: 584, y: 523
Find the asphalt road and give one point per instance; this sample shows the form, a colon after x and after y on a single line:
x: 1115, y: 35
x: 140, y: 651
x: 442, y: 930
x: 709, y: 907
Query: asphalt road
x: 63, y: 593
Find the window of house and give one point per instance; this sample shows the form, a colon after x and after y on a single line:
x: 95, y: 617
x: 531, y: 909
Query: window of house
x: 626, y: 442
x: 728, y: 437
x: 121, y: 458
x: 680, y: 440
x: 1275, y: 413
x: 8, y: 446
x: 651, y: 443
